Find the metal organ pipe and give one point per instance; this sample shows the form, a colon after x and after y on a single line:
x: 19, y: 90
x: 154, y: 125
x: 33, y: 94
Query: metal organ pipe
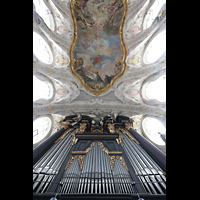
x: 45, y: 169
x: 96, y: 175
x: 147, y: 170
x: 102, y: 172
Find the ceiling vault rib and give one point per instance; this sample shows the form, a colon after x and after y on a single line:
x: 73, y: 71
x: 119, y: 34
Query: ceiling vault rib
x: 125, y: 95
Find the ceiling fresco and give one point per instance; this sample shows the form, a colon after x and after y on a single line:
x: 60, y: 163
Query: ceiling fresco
x: 98, y: 51
x: 94, y: 57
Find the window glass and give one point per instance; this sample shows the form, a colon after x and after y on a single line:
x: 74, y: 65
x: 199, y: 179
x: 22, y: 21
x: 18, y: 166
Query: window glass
x: 41, y: 49
x: 41, y: 90
x: 157, y: 89
x: 154, y: 129
x: 152, y: 13
x: 43, y: 11
x: 155, y: 49
x: 41, y: 127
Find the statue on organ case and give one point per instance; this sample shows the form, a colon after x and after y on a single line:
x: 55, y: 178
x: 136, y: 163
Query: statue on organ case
x: 66, y: 124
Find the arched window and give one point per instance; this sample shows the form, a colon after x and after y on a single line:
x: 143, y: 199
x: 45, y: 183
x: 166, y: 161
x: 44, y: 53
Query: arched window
x: 44, y: 12
x: 154, y: 130
x: 41, y: 89
x: 41, y: 128
x: 155, y: 48
x: 152, y: 13
x: 41, y: 49
x: 157, y: 89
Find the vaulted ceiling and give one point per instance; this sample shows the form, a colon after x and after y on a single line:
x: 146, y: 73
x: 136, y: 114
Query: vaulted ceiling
x: 144, y: 36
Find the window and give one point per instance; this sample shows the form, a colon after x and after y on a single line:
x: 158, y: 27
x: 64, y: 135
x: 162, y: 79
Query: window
x: 41, y: 89
x: 41, y: 128
x: 44, y: 12
x: 41, y: 49
x: 157, y: 89
x: 155, y: 49
x: 152, y: 13
x: 154, y: 129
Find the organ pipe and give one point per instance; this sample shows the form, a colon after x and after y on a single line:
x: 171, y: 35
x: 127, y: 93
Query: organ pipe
x: 45, y: 169
x: 96, y: 175
x: 147, y: 170
x: 97, y: 170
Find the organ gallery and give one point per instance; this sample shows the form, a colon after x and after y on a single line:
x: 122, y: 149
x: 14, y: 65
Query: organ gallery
x: 87, y: 158
x: 99, y: 99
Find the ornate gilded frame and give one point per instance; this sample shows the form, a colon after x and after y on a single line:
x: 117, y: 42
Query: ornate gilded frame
x: 97, y: 91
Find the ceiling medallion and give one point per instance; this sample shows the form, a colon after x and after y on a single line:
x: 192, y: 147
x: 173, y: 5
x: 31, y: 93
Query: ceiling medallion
x: 98, y: 51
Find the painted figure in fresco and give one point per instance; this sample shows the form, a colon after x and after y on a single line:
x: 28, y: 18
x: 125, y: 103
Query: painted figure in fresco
x: 83, y: 3
x: 98, y: 44
x: 78, y: 66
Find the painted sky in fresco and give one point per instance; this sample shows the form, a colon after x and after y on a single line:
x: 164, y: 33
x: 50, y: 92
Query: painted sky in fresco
x: 98, y: 48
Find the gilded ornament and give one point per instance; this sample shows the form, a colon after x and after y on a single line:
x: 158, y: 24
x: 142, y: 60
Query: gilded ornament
x: 111, y: 128
x: 76, y: 106
x: 122, y: 161
x: 50, y: 108
x: 131, y: 119
x: 97, y: 89
x: 112, y: 161
x: 143, y: 109
x: 82, y: 128
x: 118, y: 107
x: 81, y: 160
x: 64, y: 134
x: 107, y: 107
x: 119, y: 139
x: 101, y: 146
x: 71, y: 160
x: 128, y: 126
x: 127, y: 133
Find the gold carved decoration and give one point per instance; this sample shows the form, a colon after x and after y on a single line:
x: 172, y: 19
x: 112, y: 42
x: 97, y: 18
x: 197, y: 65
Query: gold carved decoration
x: 119, y: 158
x: 65, y: 126
x: 122, y: 161
x: 64, y: 134
x: 104, y: 149
x: 131, y: 119
x: 111, y: 128
x: 96, y: 129
x: 97, y: 90
x: 61, y: 124
x: 82, y: 128
x: 74, y: 139
x: 111, y: 156
x: 119, y: 139
x: 112, y: 161
x: 128, y: 126
x: 81, y: 160
x: 127, y: 133
x: 73, y: 158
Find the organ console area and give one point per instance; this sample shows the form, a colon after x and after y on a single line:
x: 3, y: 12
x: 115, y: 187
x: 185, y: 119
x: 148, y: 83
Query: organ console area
x: 103, y: 160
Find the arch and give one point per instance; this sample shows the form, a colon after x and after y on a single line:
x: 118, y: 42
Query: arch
x: 44, y: 12
x: 41, y: 49
x: 43, y: 89
x: 42, y: 128
x: 152, y: 127
x: 152, y: 13
x: 150, y: 88
x: 155, y: 47
x: 157, y: 89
